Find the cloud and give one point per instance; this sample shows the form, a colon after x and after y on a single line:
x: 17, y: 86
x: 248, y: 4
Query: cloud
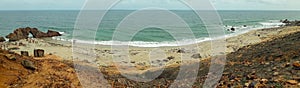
x: 169, y: 4
x: 257, y: 4
x: 40, y: 4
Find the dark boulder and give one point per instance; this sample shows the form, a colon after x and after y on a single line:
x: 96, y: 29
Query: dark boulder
x: 53, y: 33
x: 28, y: 64
x: 196, y: 56
x: 23, y: 33
x: 290, y: 23
x: 232, y: 29
x: 39, y: 53
x: 2, y: 39
x: 24, y: 53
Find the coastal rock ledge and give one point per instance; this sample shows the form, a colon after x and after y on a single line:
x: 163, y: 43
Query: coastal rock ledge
x: 23, y: 33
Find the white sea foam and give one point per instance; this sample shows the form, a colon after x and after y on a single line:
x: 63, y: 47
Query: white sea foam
x: 239, y: 30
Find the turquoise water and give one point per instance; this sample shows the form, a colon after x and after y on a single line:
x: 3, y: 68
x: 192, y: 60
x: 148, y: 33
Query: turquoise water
x: 64, y: 21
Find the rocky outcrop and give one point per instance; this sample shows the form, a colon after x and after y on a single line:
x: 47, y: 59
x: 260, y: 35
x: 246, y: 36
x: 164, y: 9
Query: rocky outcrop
x: 2, y: 39
x: 290, y: 23
x: 22, y: 33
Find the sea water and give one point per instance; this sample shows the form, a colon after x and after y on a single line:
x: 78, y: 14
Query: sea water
x: 64, y: 22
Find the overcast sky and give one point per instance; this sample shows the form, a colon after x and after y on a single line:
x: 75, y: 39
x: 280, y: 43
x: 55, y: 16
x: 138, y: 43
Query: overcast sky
x: 135, y: 4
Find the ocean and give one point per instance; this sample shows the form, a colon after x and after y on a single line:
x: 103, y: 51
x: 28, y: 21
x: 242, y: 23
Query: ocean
x: 64, y: 21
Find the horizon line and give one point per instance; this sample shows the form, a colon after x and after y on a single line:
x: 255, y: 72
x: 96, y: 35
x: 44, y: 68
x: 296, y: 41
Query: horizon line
x: 137, y: 9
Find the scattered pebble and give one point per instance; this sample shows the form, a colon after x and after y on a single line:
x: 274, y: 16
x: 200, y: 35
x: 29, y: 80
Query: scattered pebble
x: 293, y: 82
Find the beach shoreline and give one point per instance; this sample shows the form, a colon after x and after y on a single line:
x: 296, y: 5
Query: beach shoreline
x: 103, y: 53
x: 101, y: 57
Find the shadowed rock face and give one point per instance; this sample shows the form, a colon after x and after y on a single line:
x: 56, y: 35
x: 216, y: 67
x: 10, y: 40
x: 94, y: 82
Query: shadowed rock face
x: 22, y: 33
x: 291, y: 23
x: 2, y: 39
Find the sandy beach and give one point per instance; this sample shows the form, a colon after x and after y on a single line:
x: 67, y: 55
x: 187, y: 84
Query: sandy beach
x: 103, y: 53
x: 101, y: 56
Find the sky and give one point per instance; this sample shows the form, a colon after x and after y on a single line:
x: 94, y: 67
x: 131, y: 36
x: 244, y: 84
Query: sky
x: 138, y: 4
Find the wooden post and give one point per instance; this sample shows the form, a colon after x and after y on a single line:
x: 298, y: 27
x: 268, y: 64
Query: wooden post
x: 38, y: 53
x: 24, y: 53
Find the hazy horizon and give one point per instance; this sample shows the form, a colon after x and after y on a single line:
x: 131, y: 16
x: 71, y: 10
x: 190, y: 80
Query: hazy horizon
x: 138, y: 4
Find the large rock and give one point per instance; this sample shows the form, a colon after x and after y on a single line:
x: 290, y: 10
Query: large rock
x: 39, y: 53
x: 28, y: 64
x: 2, y: 39
x: 23, y: 33
x: 290, y: 23
x: 53, y: 33
x: 24, y: 53
x: 196, y: 56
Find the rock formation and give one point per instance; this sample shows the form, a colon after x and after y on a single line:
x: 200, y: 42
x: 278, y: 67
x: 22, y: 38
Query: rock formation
x: 2, y: 39
x: 24, y: 53
x: 28, y: 64
x: 38, y: 53
x: 290, y: 23
x: 22, y: 33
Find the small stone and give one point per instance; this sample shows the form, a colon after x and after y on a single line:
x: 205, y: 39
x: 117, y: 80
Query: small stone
x: 274, y: 68
x: 296, y: 78
x: 170, y: 58
x: 293, y: 82
x: 246, y: 84
x: 287, y: 64
x: 70, y: 70
x: 296, y: 65
x: 259, y: 85
x: 252, y: 85
x: 132, y: 62
x: 264, y: 80
x: 196, y: 56
x: 181, y: 51
x: 267, y: 63
x: 275, y: 73
x: 165, y: 60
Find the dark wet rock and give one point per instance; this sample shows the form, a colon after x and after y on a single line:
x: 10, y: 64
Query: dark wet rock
x: 51, y: 33
x: 2, y: 39
x: 291, y: 23
x: 196, y: 56
x: 24, y: 53
x: 132, y: 62
x: 39, y: 53
x: 23, y: 33
x: 181, y: 51
x: 285, y: 21
x: 232, y: 29
x: 170, y: 58
x: 165, y: 60
x: 28, y: 64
